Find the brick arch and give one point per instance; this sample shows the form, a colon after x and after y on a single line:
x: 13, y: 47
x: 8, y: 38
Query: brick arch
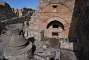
x: 57, y: 19
x: 57, y: 23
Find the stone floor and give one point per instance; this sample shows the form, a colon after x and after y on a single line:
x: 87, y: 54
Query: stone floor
x: 43, y: 51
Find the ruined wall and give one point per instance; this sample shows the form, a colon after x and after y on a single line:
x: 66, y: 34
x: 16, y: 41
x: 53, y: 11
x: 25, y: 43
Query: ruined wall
x: 23, y: 11
x: 48, y: 12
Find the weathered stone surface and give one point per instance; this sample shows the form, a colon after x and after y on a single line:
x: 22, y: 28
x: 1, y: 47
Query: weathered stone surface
x: 51, y: 21
x: 14, y: 48
x: 48, y: 13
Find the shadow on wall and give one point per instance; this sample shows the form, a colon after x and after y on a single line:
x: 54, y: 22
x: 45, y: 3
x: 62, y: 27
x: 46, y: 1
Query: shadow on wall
x: 79, y: 30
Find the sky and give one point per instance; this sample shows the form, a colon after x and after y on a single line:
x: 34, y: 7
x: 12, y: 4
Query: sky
x: 23, y: 3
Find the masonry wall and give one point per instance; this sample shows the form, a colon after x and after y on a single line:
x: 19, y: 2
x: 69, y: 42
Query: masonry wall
x: 48, y: 13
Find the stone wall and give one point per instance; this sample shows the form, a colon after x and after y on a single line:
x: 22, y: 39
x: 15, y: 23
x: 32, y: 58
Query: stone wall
x: 48, y: 12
